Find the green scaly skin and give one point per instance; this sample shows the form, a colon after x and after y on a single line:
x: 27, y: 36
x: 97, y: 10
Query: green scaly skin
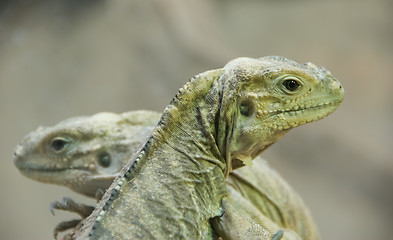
x: 260, y: 185
x: 219, y: 120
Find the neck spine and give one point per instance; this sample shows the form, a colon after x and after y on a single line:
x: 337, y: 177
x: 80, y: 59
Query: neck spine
x: 189, y: 121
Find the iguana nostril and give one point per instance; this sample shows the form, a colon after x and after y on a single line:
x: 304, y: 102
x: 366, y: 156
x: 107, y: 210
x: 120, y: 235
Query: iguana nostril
x: 336, y: 85
x: 17, y: 157
x: 18, y: 151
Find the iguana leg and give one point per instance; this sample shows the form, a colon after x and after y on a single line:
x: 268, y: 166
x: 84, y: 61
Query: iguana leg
x: 241, y: 220
x: 64, y: 226
x: 67, y: 204
x: 233, y: 225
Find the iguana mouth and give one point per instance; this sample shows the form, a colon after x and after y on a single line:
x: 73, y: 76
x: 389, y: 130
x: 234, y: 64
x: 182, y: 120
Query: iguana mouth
x: 45, y: 169
x: 35, y: 169
x: 47, y: 175
x: 292, y: 117
x: 302, y: 108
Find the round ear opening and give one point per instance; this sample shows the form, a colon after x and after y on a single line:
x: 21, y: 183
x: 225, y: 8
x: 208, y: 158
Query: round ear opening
x: 104, y: 159
x: 247, y: 108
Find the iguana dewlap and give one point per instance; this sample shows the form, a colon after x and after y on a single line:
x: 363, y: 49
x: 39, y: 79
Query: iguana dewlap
x: 175, y: 187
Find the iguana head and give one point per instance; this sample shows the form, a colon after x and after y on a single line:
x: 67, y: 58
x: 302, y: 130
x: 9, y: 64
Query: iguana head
x: 273, y: 95
x: 83, y: 153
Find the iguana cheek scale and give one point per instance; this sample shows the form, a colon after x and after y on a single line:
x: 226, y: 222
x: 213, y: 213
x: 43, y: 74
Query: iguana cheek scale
x: 177, y: 182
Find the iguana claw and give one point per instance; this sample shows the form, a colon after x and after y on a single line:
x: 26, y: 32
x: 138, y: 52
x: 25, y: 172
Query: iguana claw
x: 99, y: 193
x: 69, y: 205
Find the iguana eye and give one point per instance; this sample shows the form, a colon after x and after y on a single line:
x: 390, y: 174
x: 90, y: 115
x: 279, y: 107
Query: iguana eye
x: 246, y: 108
x: 58, y: 144
x: 291, y: 85
x: 104, y: 159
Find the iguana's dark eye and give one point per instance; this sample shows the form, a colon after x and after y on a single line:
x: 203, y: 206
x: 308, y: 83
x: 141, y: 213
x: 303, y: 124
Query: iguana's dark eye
x: 246, y: 108
x: 104, y: 159
x: 291, y: 85
x: 58, y: 144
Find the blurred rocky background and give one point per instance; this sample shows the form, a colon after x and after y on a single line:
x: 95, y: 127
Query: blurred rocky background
x: 65, y: 58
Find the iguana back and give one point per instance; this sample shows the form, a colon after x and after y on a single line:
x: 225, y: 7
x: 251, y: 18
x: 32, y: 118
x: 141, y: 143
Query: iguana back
x: 219, y: 121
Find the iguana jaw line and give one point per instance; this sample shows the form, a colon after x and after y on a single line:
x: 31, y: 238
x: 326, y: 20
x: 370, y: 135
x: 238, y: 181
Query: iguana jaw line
x: 290, y: 118
x: 27, y: 169
x: 47, y: 175
x: 77, y: 180
x: 304, y: 107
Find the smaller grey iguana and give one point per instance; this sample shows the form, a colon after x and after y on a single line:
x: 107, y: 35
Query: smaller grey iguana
x: 78, y: 151
x: 219, y: 121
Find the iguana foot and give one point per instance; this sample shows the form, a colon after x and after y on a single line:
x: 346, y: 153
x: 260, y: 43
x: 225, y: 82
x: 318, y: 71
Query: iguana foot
x: 69, y: 205
x: 64, y: 226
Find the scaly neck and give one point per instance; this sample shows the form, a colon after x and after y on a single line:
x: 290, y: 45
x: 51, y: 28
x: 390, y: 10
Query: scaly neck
x: 180, y: 172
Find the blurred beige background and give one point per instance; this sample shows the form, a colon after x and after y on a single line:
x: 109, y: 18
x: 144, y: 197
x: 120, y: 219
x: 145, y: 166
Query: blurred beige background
x: 65, y: 58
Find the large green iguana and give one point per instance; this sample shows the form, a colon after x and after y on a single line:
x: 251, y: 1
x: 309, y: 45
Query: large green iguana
x: 86, y: 153
x: 221, y: 119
